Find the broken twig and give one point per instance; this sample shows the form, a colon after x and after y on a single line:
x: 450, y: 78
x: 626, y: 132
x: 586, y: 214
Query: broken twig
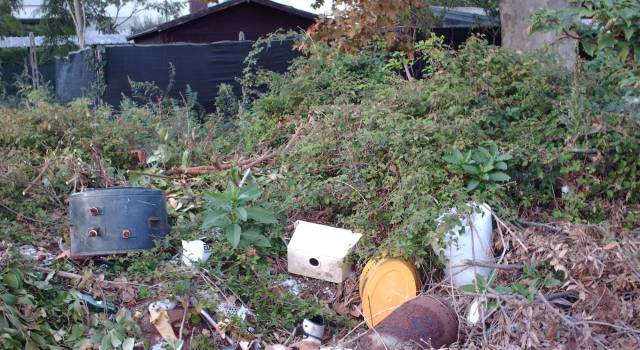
x: 491, y: 265
x: 75, y: 276
x: 243, y: 164
x: 44, y: 169
x: 549, y: 227
x: 95, y: 153
x: 22, y: 216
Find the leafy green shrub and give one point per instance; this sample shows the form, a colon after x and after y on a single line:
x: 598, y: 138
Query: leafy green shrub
x: 374, y: 160
x: 231, y: 212
x: 482, y: 165
x: 36, y: 315
x: 226, y: 102
x: 613, y: 27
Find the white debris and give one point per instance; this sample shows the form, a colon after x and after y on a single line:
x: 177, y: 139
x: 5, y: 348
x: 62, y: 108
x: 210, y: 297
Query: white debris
x: 293, y: 286
x: 229, y: 310
x: 194, y: 252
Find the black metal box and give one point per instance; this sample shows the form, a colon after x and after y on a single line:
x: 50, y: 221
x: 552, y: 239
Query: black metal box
x: 116, y: 220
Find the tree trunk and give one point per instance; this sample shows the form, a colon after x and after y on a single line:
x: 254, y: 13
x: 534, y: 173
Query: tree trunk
x: 515, y: 23
x: 78, y: 14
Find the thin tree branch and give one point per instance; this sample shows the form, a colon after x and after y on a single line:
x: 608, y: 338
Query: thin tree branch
x: 45, y: 167
x: 491, y: 265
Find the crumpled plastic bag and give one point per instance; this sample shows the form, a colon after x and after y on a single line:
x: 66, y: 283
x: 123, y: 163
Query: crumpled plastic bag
x: 194, y: 252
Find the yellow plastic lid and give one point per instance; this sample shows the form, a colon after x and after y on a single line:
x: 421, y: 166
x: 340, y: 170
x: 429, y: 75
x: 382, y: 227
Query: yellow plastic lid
x: 365, y: 270
x: 386, y: 284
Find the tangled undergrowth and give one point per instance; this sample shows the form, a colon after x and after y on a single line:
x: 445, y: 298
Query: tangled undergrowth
x: 577, y: 290
x: 342, y: 139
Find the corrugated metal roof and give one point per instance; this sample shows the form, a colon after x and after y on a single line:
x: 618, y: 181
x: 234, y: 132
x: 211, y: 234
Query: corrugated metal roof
x: 90, y: 39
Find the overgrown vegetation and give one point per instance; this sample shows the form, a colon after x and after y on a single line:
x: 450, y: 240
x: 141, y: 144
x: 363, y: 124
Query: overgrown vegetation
x: 358, y: 146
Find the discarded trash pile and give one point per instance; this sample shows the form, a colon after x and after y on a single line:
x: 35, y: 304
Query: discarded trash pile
x: 537, y: 286
x: 363, y: 226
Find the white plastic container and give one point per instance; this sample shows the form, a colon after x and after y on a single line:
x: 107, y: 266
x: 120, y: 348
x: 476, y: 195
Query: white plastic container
x: 320, y: 251
x: 471, y: 240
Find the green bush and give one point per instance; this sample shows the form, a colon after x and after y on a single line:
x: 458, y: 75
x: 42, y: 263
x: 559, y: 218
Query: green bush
x: 375, y: 154
x: 373, y: 158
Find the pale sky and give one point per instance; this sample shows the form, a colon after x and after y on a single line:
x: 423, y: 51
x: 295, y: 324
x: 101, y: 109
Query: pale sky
x: 306, y: 5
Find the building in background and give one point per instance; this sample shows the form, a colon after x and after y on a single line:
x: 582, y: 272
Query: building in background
x: 30, y: 12
x: 252, y: 19
x: 230, y: 20
x: 459, y: 23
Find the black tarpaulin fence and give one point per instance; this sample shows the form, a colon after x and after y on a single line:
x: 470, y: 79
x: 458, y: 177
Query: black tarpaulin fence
x: 74, y: 75
x: 11, y: 73
x: 202, y: 67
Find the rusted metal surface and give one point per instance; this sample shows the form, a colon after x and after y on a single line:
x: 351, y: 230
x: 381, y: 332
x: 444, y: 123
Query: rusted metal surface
x: 418, y: 322
x: 116, y: 220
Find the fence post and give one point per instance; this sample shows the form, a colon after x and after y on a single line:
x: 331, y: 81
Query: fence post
x: 33, y: 60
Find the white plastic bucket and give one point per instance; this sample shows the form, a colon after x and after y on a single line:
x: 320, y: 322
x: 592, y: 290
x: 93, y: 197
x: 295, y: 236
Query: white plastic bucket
x: 471, y: 240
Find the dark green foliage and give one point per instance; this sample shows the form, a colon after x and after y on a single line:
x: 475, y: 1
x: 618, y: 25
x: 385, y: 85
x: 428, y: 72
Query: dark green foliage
x: 377, y: 153
x: 34, y: 314
x: 226, y: 102
x: 373, y: 158
x: 233, y: 211
x: 9, y: 25
x: 483, y: 166
x: 612, y: 27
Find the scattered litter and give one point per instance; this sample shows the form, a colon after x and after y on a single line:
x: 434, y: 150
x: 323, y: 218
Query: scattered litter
x: 194, y: 252
x: 301, y: 345
x: 32, y: 253
x: 97, y: 305
x: 384, y: 285
x: 313, y: 329
x: 277, y: 347
x: 330, y: 293
x: 213, y: 323
x: 230, y: 310
x: 477, y: 310
x: 421, y: 319
x: 470, y: 240
x: 160, y: 319
x: 166, y: 304
x: 320, y: 251
x: 292, y: 285
x: 159, y: 346
x: 28, y: 251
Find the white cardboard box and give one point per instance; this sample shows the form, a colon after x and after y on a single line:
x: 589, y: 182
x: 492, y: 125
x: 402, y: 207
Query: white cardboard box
x: 320, y: 251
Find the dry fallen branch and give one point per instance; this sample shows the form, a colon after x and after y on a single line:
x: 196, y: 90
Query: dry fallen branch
x: 20, y: 216
x: 75, y: 276
x: 95, y: 153
x: 244, y: 164
x: 491, y: 265
x: 44, y: 169
x: 549, y: 227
